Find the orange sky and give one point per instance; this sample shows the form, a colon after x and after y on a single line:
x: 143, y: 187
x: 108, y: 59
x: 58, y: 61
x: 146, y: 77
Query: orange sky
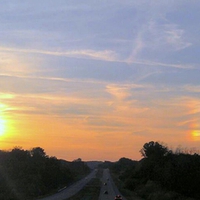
x: 118, y: 131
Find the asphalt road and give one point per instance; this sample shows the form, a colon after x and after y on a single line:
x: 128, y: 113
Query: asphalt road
x: 72, y: 190
x: 109, y: 186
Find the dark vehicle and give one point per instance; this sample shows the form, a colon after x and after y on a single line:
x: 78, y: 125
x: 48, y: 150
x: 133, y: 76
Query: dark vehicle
x: 105, y: 183
x: 106, y: 192
x: 118, y: 197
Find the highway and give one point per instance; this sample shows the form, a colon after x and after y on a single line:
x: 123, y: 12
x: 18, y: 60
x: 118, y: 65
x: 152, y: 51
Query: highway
x: 72, y: 190
x: 109, y: 186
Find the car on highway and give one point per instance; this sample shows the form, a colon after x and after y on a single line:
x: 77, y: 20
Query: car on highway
x: 118, y: 197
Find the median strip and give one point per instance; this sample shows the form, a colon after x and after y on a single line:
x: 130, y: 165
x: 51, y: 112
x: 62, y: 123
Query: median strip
x: 89, y: 192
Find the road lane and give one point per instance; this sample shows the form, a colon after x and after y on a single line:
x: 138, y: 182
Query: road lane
x: 71, y: 190
x: 109, y: 186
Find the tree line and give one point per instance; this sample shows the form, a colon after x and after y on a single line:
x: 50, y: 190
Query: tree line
x: 27, y: 174
x: 162, y: 173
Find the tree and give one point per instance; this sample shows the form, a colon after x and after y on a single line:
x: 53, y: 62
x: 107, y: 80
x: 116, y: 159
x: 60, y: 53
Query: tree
x: 77, y: 160
x: 38, y: 152
x: 154, y: 149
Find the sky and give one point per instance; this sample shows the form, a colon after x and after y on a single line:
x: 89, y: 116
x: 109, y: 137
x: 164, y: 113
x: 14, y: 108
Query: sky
x: 96, y: 80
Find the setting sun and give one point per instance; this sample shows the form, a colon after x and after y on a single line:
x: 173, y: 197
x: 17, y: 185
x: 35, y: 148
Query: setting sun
x: 196, y: 134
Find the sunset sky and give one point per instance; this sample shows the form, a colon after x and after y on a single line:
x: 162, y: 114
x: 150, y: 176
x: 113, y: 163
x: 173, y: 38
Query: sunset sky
x: 98, y: 79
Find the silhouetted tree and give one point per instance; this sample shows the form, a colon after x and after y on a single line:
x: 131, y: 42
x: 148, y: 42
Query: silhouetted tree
x: 77, y: 160
x: 154, y: 149
x: 160, y: 167
x: 28, y: 174
x: 38, y: 152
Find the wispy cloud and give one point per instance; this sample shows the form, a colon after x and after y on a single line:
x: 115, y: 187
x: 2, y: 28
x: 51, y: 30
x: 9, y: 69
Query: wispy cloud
x: 192, y: 88
x: 165, y: 35
x: 15, y: 64
x: 53, y: 80
x: 188, y: 122
x: 106, y: 55
x: 174, y: 36
x: 157, y: 36
x: 141, y: 132
x: 118, y: 92
x: 160, y: 64
x: 138, y: 46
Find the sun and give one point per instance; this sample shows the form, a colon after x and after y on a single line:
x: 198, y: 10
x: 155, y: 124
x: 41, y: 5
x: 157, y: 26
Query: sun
x: 196, y: 134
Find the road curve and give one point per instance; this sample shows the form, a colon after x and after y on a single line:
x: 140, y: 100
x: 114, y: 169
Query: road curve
x: 109, y: 186
x: 71, y: 190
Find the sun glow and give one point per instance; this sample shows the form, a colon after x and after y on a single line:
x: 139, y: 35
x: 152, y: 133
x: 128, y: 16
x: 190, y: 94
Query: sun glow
x: 196, y: 134
x: 2, y: 126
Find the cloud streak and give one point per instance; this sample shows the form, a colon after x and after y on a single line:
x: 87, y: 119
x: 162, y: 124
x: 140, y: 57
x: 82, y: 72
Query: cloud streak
x: 106, y: 55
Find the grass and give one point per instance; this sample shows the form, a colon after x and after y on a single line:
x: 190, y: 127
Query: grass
x: 89, y: 192
x: 130, y: 195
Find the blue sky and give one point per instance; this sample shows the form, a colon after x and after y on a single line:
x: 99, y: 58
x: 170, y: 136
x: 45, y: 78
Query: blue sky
x: 113, y: 74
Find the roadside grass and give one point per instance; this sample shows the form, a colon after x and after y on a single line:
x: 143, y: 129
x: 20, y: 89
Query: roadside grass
x: 130, y: 195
